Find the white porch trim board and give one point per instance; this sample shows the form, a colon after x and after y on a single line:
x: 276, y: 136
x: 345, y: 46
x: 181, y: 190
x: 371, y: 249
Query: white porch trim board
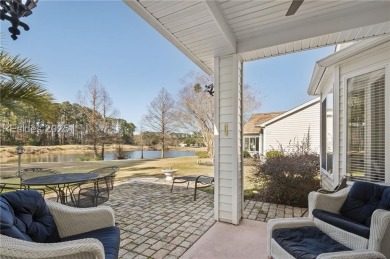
x: 387, y: 120
x: 228, y: 169
x: 336, y: 128
x: 338, y: 20
x: 216, y: 139
x: 219, y: 17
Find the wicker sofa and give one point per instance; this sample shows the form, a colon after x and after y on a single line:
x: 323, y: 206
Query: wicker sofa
x: 32, y: 227
x: 351, y: 223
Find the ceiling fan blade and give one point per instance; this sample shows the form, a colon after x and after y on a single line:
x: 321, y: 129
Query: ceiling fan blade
x: 294, y: 7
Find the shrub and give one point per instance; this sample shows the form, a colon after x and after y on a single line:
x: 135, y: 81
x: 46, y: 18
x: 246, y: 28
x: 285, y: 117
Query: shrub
x: 120, y: 153
x: 249, y: 194
x: 273, y: 153
x: 288, y: 177
x: 202, y: 154
x: 246, y: 154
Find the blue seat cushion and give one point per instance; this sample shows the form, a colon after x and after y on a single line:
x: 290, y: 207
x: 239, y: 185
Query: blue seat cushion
x: 342, y: 222
x: 306, y: 242
x: 25, y: 215
x: 110, y: 238
x: 362, y: 200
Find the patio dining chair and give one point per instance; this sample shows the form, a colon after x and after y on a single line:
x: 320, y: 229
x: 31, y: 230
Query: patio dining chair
x: 9, y: 187
x: 95, y: 192
x: 28, y: 173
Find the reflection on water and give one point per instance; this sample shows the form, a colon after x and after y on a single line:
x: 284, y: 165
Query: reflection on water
x: 157, y: 154
x: 66, y: 157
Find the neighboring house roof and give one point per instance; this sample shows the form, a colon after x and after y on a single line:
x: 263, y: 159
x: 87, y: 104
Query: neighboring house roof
x: 256, y: 119
x: 288, y: 113
x: 324, y: 68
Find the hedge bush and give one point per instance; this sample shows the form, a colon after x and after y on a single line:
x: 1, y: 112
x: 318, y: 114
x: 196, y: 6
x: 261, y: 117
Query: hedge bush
x: 273, y: 153
x: 288, y: 177
x: 246, y: 154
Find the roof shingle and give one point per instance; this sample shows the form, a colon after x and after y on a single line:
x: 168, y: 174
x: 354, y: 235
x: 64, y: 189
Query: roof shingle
x: 256, y: 119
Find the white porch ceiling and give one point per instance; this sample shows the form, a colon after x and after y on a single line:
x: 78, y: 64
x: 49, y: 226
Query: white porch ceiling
x: 259, y: 29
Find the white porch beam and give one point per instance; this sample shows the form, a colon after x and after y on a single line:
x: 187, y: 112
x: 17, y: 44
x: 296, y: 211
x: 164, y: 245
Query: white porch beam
x: 219, y: 18
x: 342, y: 20
x: 140, y: 10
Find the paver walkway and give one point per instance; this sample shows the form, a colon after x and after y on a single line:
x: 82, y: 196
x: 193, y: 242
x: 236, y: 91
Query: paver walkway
x: 156, y: 223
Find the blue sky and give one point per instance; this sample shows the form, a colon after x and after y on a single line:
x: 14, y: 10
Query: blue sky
x: 71, y: 41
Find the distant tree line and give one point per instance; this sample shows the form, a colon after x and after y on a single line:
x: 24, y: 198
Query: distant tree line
x: 29, y: 115
x: 70, y: 125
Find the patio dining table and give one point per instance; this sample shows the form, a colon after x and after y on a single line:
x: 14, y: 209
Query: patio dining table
x: 61, y: 183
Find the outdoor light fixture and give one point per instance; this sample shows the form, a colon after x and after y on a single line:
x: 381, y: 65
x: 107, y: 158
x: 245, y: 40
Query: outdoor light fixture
x: 13, y: 10
x: 19, y: 151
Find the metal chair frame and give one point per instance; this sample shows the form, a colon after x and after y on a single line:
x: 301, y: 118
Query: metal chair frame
x: 204, y: 180
x: 37, y: 171
x: 96, y: 191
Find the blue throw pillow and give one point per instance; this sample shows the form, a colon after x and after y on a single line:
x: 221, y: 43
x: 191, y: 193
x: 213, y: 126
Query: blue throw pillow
x: 25, y: 215
x: 362, y: 200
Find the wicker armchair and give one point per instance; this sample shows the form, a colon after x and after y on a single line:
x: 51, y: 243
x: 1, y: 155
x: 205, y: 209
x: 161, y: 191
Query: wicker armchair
x: 71, y: 222
x: 372, y: 244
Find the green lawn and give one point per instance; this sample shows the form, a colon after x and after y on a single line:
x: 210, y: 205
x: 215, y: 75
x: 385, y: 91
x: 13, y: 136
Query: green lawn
x: 132, y: 169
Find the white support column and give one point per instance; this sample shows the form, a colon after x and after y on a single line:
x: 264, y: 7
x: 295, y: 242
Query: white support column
x: 228, y: 166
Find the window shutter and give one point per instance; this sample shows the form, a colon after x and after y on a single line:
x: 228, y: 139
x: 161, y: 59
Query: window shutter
x: 366, y: 127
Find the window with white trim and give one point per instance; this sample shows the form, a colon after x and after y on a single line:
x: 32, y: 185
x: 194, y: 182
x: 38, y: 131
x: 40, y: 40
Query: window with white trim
x: 251, y: 143
x: 327, y: 134
x: 366, y: 127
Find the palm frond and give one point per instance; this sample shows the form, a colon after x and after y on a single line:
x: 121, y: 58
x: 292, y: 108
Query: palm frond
x: 30, y: 93
x: 15, y: 67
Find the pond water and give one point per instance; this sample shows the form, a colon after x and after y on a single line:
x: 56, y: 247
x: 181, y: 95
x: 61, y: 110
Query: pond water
x: 72, y: 157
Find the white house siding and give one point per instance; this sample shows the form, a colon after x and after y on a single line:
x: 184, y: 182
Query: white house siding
x: 228, y: 196
x: 295, y: 126
x: 364, y: 62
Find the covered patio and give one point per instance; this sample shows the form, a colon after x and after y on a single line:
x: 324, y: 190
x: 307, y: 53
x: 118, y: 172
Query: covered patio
x: 156, y: 223
x: 220, y: 35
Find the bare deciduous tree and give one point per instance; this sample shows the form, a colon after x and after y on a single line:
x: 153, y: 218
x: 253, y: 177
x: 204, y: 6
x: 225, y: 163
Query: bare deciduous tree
x: 251, y: 101
x: 107, y: 112
x: 196, y: 107
x: 160, y: 117
x: 98, y: 108
x: 196, y: 110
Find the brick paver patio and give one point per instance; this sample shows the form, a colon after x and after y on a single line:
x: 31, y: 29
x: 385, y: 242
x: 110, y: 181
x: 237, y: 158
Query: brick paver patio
x: 156, y: 223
